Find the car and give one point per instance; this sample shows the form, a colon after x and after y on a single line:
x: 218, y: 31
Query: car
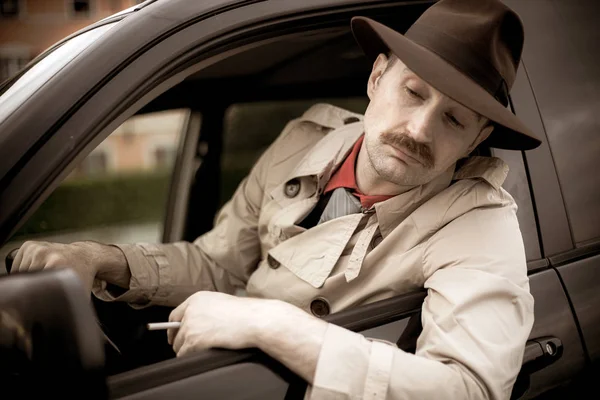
x: 231, y: 73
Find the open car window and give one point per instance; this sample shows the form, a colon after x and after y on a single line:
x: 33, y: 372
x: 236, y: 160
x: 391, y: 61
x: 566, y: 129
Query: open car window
x: 117, y: 193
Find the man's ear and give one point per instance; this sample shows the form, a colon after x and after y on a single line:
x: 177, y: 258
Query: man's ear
x: 483, y: 134
x: 379, y: 67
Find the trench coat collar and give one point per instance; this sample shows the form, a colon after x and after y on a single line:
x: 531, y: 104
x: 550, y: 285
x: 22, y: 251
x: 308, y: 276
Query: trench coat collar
x: 392, y: 212
x: 329, y: 153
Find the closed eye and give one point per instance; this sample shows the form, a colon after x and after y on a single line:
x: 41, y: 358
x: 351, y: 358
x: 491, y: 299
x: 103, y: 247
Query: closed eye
x: 454, y: 121
x: 412, y: 93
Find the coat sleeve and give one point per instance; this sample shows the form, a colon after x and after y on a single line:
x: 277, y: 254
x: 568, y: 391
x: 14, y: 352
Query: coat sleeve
x: 220, y: 260
x: 476, y: 318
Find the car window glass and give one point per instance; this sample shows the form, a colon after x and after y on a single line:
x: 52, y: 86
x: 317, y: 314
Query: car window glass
x: 118, y: 193
x: 517, y: 185
x: 43, y: 70
x: 251, y: 127
x: 561, y: 57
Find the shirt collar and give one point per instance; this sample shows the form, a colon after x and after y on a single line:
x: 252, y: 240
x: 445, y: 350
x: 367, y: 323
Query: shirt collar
x: 345, y: 176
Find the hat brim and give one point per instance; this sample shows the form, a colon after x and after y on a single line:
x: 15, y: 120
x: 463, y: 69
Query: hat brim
x: 509, y: 133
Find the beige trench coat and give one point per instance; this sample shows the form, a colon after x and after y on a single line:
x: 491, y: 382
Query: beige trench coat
x: 457, y: 236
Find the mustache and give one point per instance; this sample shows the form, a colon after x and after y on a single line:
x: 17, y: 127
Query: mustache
x: 420, y: 151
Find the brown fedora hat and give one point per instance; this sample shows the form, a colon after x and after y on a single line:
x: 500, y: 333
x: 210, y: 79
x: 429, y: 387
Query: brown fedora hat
x: 467, y: 49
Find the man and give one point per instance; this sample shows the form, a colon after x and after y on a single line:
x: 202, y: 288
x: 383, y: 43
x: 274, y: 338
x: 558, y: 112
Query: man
x: 342, y: 211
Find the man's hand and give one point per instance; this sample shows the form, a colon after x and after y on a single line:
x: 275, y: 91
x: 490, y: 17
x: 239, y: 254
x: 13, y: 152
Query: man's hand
x: 212, y: 319
x: 88, y: 259
x: 283, y: 331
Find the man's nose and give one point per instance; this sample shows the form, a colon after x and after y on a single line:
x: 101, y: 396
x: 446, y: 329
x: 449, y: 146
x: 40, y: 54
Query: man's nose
x: 421, y: 125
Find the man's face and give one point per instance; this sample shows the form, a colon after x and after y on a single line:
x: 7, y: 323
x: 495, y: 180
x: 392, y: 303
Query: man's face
x: 413, y: 132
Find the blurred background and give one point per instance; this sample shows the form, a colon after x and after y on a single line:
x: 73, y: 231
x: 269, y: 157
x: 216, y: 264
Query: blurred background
x: 28, y: 27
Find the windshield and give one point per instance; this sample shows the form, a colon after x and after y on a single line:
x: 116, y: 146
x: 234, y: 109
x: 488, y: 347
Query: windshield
x: 46, y: 68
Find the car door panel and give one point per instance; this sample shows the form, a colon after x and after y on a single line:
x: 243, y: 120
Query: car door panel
x: 582, y: 279
x: 240, y: 381
x: 553, y: 318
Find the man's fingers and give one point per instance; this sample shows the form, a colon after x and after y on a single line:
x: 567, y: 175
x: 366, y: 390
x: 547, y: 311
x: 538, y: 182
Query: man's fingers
x: 179, y: 340
x: 24, y: 258
x: 185, y: 349
x: 190, y: 345
x: 171, y: 333
x: 30, y: 257
x: 18, y: 259
x: 23, y: 264
x: 19, y: 262
x: 177, y: 314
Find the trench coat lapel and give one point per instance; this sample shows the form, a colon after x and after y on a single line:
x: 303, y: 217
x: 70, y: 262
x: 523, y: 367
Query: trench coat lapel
x: 312, y: 255
x: 329, y: 153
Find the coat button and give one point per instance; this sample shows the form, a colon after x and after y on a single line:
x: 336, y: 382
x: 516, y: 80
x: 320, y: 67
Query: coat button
x: 320, y: 307
x: 273, y: 263
x: 350, y: 120
x: 292, y: 188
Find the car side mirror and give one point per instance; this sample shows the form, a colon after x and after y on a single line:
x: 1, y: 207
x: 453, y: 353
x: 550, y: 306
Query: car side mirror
x: 50, y: 342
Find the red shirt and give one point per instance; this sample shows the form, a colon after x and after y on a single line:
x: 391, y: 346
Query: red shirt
x: 345, y: 177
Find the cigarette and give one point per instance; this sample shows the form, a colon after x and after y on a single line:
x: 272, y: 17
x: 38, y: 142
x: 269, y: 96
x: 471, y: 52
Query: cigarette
x: 155, y: 326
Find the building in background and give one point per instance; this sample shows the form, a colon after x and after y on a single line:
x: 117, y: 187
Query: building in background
x: 143, y: 144
x: 28, y: 27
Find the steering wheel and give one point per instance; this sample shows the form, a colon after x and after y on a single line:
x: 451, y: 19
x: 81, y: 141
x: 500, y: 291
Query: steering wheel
x: 128, y: 343
x: 111, y: 348
x: 48, y: 338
